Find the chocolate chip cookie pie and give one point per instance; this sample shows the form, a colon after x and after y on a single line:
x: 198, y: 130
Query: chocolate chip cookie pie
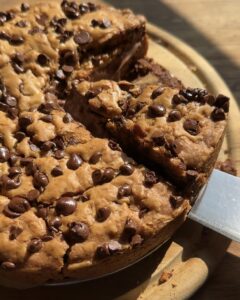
x: 73, y: 204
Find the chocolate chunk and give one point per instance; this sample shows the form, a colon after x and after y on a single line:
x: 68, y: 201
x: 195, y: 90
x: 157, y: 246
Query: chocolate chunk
x: 82, y: 38
x: 57, y: 171
x: 157, y: 92
x: 47, y: 146
x: 25, y: 7
x: 124, y: 191
x: 59, y: 154
x: 127, y: 169
x: 150, y: 178
x: 40, y: 180
x: 4, y: 154
x: 78, y: 232
x: 95, y: 157
x: 25, y: 121
x: 20, y: 136
x: 156, y: 110
x: 74, y: 162
x: 67, y: 118
x: 34, y: 245
x: 13, y: 171
x: 174, y: 115
x: 8, y: 265
x: 19, y: 205
x: 136, y: 240
x: 16, y: 40
x: 175, y: 201
x: 14, y: 232
x: 42, y: 60
x: 114, y: 146
x: 103, y: 213
x: 66, y: 206
x: 222, y: 102
x: 191, y: 126
x: 47, y: 118
x: 33, y: 195
x: 159, y: 140
x: 108, y: 248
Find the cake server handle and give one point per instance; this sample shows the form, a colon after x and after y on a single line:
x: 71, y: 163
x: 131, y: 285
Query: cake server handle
x: 218, y: 205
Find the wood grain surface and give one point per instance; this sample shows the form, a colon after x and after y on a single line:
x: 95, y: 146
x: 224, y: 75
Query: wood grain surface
x: 212, y: 27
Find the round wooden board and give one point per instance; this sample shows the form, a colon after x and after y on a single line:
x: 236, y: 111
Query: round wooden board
x: 194, y: 251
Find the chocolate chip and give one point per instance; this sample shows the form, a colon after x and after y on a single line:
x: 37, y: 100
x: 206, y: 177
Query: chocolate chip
x: 4, y: 154
x: 21, y: 24
x: 67, y: 69
x: 174, y: 115
x: 82, y: 38
x: 33, y: 195
x: 42, y: 212
x: 93, y: 93
x: 10, y: 214
x: 174, y: 147
x: 74, y: 162
x: 60, y: 75
x: 8, y: 266
x: 47, y: 146
x: 34, y: 245
x: 59, y: 154
x: 47, y: 118
x: 95, y: 23
x: 108, y: 248
x: 42, y: 19
x: 19, y: 205
x: 66, y: 206
x: 13, y: 171
x: 136, y: 240
x: 130, y: 228
x: 83, y: 198
x: 25, y: 121
x: 11, y: 101
x: 157, y: 92
x: 13, y: 113
x: 32, y: 146
x: 105, y: 23
x: 108, y: 175
x: 222, y: 102
x: 40, y: 180
x: 4, y: 107
x: 56, y: 223
x: 25, y: 161
x: 95, y: 157
x: 67, y: 118
x: 124, y: 191
x: 8, y: 184
x: 20, y: 136
x: 47, y: 238
x: 68, y: 58
x: 159, y: 140
x: 71, y: 11
x: 175, y: 201
x: 25, y: 7
x: 84, y: 8
x: 4, y: 36
x: 191, y: 126
x: 57, y: 171
x: 103, y: 213
x: 150, y: 178
x: 156, y: 110
x: 14, y: 232
x: 78, y: 232
x: 127, y: 169
x: 114, y: 146
x: 3, y: 18
x: 97, y: 177
x: 42, y: 60
x: 12, y: 160
x: 16, y: 40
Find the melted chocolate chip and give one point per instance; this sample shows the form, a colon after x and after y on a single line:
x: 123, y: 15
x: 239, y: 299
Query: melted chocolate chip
x: 78, y: 232
x: 156, y: 110
x: 34, y: 245
x: 14, y: 232
x: 157, y: 92
x: 40, y: 180
x: 150, y: 178
x: 124, y: 191
x: 174, y: 115
x: 108, y: 248
x: 57, y: 171
x: 127, y: 169
x: 82, y: 38
x: 4, y: 154
x: 102, y: 214
x: 66, y: 206
x: 191, y: 126
x: 19, y: 205
x: 42, y: 60
x: 33, y: 195
x: 74, y: 162
x: 95, y: 157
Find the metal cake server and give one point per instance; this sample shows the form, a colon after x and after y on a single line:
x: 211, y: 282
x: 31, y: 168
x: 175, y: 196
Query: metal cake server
x: 218, y: 205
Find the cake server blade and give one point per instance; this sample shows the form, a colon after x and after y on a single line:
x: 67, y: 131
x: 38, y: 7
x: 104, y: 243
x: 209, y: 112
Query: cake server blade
x: 218, y: 205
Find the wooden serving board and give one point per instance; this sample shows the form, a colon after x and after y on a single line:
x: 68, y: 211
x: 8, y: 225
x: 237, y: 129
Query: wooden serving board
x: 194, y: 251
